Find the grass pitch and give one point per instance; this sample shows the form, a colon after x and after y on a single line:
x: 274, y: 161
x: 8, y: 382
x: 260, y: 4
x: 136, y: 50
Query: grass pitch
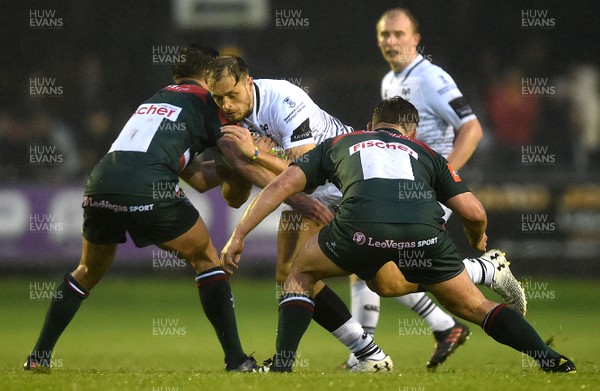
x: 150, y: 334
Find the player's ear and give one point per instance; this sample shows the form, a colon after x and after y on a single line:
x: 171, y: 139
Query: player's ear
x: 417, y: 38
x: 412, y: 131
x: 250, y: 81
x: 370, y: 126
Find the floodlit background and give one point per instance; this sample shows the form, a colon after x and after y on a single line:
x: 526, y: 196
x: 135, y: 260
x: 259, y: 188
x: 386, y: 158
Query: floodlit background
x: 73, y: 72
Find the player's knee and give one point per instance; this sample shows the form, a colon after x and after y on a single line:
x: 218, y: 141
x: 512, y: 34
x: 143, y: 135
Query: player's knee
x: 282, y: 271
x: 391, y: 288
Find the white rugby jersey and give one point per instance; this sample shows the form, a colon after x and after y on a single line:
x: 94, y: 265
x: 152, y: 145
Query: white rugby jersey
x: 442, y: 107
x: 280, y: 108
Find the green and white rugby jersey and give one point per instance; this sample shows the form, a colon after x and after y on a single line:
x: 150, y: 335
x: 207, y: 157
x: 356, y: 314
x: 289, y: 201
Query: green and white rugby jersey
x: 384, y: 177
x: 161, y: 137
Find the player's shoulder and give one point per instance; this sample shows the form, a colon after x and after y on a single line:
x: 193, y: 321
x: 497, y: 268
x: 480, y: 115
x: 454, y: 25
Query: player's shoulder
x: 434, y: 76
x: 187, y: 91
x: 276, y: 87
x: 280, y: 94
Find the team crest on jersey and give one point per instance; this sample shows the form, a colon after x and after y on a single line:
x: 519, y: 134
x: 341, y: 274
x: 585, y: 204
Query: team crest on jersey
x: 359, y: 238
x: 289, y: 102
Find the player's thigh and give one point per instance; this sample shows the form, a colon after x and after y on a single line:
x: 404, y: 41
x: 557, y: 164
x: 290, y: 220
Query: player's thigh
x: 390, y: 282
x: 461, y: 297
x: 194, y: 246
x: 311, y: 261
x: 293, y: 232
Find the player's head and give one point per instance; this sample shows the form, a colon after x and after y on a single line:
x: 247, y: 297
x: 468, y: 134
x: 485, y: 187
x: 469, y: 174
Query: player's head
x: 193, y: 62
x: 398, y: 37
x: 399, y: 112
x: 230, y: 85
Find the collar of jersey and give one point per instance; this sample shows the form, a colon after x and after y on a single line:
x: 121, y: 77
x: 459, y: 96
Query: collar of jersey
x: 388, y: 130
x: 256, y: 99
x: 188, y: 81
x: 413, y: 64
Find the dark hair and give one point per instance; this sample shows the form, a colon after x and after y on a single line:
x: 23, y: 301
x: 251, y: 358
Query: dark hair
x: 397, y: 11
x: 397, y: 111
x: 194, y: 60
x: 226, y: 66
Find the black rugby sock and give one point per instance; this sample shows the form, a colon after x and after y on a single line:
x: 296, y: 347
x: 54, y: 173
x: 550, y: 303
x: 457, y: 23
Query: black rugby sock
x: 509, y: 328
x: 217, y: 301
x: 64, y: 306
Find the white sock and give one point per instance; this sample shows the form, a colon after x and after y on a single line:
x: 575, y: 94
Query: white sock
x: 365, y: 306
x: 358, y: 341
x: 480, y: 270
x: 433, y: 315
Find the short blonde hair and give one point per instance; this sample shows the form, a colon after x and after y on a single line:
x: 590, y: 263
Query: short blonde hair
x: 398, y: 11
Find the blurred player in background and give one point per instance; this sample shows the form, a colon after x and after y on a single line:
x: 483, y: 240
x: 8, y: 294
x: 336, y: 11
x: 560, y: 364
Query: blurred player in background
x: 285, y: 113
x: 135, y: 189
x: 444, y: 113
x: 369, y: 167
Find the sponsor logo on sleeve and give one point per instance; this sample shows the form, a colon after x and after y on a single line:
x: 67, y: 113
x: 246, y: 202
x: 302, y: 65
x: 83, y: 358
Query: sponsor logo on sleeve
x: 461, y: 107
x: 302, y: 132
x: 454, y: 173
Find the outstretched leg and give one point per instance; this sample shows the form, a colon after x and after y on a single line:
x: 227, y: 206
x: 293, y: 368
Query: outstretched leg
x: 463, y: 299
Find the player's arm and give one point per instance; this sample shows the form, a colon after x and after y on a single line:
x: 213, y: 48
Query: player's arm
x: 290, y: 182
x: 201, y: 175
x: 253, y: 153
x: 465, y: 143
x: 473, y: 217
x: 448, y: 102
x: 205, y: 175
x: 452, y: 192
x: 236, y: 160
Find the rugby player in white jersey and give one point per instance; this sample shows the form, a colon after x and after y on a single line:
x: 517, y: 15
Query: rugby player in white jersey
x: 284, y: 112
x: 444, y: 113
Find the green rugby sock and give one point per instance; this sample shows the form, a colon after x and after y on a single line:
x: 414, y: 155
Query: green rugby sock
x: 217, y: 301
x: 295, y: 314
x: 64, y: 306
x: 509, y: 328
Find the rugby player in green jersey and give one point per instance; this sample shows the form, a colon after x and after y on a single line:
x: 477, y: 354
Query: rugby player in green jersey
x: 135, y: 189
x: 396, y: 243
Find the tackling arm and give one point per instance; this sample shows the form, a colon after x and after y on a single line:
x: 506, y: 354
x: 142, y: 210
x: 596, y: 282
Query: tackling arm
x: 205, y: 175
x: 291, y: 181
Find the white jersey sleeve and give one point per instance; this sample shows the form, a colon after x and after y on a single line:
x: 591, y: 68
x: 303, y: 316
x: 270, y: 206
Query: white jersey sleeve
x: 445, y: 99
x: 290, y: 108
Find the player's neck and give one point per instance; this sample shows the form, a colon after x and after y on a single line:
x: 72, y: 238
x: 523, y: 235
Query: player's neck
x: 202, y: 82
x: 252, y: 95
x: 400, y: 66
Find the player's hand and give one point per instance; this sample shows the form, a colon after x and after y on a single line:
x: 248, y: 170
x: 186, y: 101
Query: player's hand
x: 310, y: 207
x: 231, y: 254
x: 264, y: 143
x: 482, y: 244
x: 242, y: 138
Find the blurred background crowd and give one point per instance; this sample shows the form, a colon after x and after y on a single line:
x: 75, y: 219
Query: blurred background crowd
x: 102, y: 58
